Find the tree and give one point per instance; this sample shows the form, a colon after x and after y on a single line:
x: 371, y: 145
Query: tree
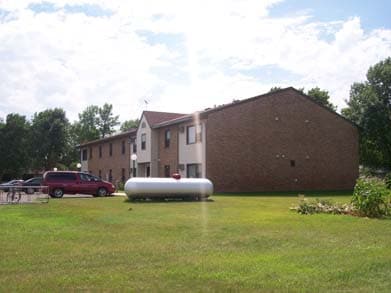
x: 274, y: 89
x: 107, y: 121
x: 14, y: 145
x: 128, y: 124
x: 369, y: 106
x: 322, y: 97
x: 49, y: 138
x: 86, y: 129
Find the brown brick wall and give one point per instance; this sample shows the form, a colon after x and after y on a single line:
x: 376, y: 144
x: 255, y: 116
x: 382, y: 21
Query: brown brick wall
x: 250, y: 146
x: 168, y: 156
x: 115, y: 162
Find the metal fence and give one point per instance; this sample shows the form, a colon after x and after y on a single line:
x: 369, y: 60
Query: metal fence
x: 23, y: 194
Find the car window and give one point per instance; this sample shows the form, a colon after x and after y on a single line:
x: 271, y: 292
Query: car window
x: 61, y: 176
x: 86, y: 177
x: 35, y: 180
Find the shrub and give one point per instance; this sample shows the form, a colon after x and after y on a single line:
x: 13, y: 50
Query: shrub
x: 371, y: 198
x: 306, y: 208
x: 326, y: 206
x: 120, y: 185
x: 387, y: 180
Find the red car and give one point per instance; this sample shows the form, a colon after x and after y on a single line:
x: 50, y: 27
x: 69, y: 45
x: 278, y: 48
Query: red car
x: 60, y: 182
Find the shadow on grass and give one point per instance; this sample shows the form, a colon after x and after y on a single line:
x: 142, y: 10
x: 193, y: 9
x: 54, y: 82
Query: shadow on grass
x: 313, y: 193
x: 162, y: 200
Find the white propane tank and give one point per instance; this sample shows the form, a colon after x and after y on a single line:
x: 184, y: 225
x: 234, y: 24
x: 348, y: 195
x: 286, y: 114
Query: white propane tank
x: 141, y: 188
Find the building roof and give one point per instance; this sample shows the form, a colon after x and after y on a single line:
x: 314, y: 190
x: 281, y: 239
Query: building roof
x: 206, y: 112
x: 155, y: 118
x: 129, y: 133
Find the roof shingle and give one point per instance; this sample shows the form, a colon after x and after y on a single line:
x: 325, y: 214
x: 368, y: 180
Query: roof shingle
x: 154, y: 118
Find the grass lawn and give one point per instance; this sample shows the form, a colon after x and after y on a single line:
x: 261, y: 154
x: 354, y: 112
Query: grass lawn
x: 237, y: 243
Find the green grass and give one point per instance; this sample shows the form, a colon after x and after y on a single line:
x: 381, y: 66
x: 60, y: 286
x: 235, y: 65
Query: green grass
x: 234, y: 243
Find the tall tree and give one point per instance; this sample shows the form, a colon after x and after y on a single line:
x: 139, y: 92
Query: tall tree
x: 128, y: 124
x: 322, y: 97
x: 49, y: 138
x: 15, y: 159
x: 369, y: 106
x: 107, y: 120
x: 86, y: 128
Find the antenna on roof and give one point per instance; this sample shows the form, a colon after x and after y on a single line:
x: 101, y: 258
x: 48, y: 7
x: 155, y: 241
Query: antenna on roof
x: 146, y: 104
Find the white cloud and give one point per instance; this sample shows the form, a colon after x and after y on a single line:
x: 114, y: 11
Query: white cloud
x: 72, y: 60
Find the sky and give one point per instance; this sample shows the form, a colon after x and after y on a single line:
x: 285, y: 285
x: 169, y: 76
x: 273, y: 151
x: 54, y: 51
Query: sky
x: 182, y: 56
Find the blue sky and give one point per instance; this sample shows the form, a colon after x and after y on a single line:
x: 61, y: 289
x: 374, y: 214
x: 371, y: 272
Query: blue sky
x: 373, y: 14
x: 181, y: 56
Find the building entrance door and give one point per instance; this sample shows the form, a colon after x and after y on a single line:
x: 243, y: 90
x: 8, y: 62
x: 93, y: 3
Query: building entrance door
x: 148, y: 171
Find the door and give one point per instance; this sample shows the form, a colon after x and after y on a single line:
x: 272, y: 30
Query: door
x: 148, y: 171
x: 87, y: 184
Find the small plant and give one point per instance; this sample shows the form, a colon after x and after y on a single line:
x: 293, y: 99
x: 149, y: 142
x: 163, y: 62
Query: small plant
x: 325, y: 206
x: 120, y: 185
x: 387, y: 180
x: 306, y: 208
x: 371, y: 198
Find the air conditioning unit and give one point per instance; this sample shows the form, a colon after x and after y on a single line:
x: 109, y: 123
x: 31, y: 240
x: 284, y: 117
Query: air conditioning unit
x: 181, y: 167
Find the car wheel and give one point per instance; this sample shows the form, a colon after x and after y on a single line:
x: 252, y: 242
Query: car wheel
x: 102, y: 192
x: 57, y: 193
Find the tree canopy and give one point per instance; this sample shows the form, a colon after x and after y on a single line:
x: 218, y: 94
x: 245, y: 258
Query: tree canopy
x: 107, y: 121
x: 369, y: 106
x: 49, y: 137
x: 95, y: 122
x: 128, y: 124
x: 14, y: 146
x: 322, y: 97
x: 49, y: 140
x: 86, y: 129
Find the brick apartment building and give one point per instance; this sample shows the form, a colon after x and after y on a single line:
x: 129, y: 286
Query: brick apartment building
x: 278, y: 141
x: 108, y: 158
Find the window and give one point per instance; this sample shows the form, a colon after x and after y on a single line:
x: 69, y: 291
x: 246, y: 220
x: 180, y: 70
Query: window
x: 100, y: 173
x: 123, y: 175
x: 84, y: 155
x: 143, y: 141
x: 190, y: 134
x: 123, y: 147
x: 167, y: 171
x: 167, y: 138
x: 100, y: 151
x: 193, y: 171
x: 90, y: 152
x: 59, y: 176
x: 86, y: 177
x: 193, y: 134
x: 134, y: 148
x: 110, y: 175
x: 143, y: 125
x: 293, y: 163
x: 111, y: 149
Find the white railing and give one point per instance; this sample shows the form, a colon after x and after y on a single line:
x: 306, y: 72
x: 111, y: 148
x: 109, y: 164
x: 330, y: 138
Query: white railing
x: 11, y: 194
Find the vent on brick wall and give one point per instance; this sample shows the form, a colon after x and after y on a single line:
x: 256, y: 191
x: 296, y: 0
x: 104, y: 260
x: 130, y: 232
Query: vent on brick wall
x: 182, y: 129
x: 181, y: 167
